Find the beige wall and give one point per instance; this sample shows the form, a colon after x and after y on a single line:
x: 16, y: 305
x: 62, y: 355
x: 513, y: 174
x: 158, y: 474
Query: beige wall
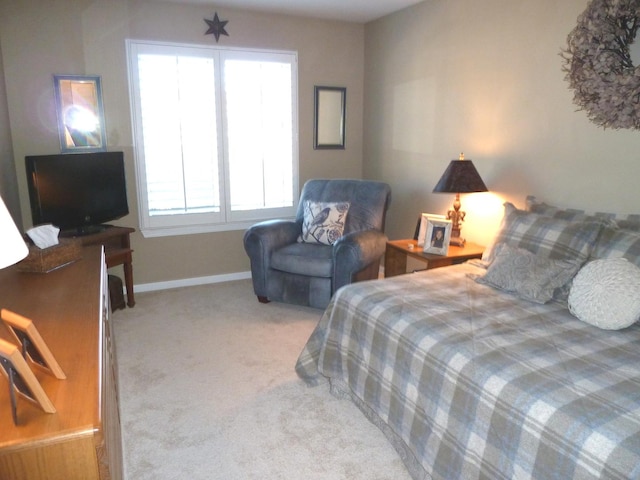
x: 40, y: 38
x: 8, y: 187
x: 442, y: 77
x: 485, y: 78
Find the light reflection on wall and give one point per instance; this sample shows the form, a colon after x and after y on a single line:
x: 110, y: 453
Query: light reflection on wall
x: 484, y: 214
x: 413, y: 104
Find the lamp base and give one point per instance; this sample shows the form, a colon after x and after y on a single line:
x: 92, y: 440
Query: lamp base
x: 457, y: 241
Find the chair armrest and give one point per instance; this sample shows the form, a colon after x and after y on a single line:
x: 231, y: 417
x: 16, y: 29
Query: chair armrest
x: 355, y: 251
x: 260, y: 241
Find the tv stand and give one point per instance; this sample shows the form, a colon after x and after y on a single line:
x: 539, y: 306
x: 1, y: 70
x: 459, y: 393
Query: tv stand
x: 117, y: 250
x: 85, y: 230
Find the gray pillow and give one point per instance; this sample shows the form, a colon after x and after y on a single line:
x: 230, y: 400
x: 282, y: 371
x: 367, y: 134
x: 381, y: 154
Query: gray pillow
x: 629, y: 221
x: 529, y: 276
x: 545, y: 236
x: 618, y: 243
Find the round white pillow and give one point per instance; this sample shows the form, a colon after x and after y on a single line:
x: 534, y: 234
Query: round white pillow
x: 606, y: 293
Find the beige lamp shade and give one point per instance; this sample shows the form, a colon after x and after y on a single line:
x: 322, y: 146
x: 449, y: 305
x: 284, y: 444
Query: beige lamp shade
x: 12, y: 246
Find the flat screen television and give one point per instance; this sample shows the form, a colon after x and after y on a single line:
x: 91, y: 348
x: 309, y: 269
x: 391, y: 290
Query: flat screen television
x: 79, y: 192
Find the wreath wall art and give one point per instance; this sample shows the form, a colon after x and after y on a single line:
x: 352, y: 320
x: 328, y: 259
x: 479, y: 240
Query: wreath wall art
x: 598, y: 64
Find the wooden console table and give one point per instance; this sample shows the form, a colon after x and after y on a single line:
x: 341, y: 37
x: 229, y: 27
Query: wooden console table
x: 397, y: 252
x: 117, y: 252
x: 82, y: 439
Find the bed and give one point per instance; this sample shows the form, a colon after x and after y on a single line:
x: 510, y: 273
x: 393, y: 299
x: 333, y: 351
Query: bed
x: 471, y: 378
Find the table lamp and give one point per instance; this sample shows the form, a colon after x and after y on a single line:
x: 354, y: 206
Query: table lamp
x: 13, y: 247
x: 460, y: 176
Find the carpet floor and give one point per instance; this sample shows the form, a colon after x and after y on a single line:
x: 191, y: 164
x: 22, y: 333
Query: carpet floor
x: 208, y: 391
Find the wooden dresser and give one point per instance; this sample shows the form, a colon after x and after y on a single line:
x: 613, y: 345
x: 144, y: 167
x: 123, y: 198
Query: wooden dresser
x: 82, y: 440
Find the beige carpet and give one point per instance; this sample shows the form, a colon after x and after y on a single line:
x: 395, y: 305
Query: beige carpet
x: 208, y: 391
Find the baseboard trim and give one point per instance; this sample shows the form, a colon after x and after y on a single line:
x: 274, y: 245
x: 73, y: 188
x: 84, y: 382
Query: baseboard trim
x: 191, y: 282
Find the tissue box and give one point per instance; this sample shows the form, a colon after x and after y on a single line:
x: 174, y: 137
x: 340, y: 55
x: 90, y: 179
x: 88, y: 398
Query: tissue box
x: 43, y: 260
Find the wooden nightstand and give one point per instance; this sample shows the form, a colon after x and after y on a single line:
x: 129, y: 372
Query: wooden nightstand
x: 397, y: 252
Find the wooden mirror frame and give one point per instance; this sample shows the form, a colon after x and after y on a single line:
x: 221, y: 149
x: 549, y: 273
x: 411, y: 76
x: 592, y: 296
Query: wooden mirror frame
x: 80, y: 113
x: 330, y: 118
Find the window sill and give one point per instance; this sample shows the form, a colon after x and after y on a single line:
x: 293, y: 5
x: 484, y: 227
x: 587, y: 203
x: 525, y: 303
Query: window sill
x: 148, y: 232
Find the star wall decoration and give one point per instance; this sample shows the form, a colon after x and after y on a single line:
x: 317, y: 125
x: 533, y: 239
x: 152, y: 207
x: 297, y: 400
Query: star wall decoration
x: 216, y: 27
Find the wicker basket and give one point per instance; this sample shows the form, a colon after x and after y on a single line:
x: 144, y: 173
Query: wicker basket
x: 43, y: 260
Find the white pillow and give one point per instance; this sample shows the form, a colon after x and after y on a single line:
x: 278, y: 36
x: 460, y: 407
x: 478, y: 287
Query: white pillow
x: 606, y: 293
x: 323, y: 222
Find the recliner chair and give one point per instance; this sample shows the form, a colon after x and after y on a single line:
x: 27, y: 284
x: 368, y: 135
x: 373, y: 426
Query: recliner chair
x: 298, y: 261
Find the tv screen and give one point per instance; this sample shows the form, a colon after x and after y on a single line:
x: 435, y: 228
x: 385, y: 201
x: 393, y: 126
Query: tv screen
x: 77, y: 191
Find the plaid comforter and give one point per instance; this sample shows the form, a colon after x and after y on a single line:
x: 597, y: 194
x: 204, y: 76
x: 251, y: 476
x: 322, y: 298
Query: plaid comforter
x: 470, y: 382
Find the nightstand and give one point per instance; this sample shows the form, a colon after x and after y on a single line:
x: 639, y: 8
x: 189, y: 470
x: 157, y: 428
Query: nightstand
x: 398, y: 251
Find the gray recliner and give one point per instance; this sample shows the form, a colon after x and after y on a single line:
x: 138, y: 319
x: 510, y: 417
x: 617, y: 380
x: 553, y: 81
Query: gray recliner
x: 285, y: 269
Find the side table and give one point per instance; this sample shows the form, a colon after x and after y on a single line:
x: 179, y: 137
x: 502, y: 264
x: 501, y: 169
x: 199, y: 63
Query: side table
x: 117, y: 251
x: 397, y: 252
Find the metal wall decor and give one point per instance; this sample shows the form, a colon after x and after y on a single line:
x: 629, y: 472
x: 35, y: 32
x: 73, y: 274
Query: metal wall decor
x: 598, y: 64
x: 216, y: 27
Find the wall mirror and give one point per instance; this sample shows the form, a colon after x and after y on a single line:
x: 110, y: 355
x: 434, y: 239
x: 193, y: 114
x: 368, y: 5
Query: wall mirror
x: 329, y: 120
x: 80, y: 113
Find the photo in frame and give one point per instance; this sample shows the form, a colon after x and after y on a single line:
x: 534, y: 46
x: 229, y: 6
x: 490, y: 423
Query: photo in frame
x: 21, y: 379
x: 32, y: 344
x: 437, y: 236
x: 421, y: 228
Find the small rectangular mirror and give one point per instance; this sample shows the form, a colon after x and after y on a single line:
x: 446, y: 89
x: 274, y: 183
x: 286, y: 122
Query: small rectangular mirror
x: 329, y: 121
x: 80, y: 113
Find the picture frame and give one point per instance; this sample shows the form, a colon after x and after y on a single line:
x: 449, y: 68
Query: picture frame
x: 33, y: 347
x: 80, y: 111
x: 22, y: 381
x: 421, y: 228
x: 437, y: 236
x: 329, y: 121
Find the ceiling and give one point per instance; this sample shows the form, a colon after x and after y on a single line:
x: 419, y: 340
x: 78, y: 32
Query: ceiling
x: 360, y: 11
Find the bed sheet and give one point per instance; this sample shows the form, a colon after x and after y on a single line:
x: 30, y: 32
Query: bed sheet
x: 471, y: 382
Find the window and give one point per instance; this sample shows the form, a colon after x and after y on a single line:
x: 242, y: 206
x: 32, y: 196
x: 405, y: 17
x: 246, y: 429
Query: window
x: 216, y: 136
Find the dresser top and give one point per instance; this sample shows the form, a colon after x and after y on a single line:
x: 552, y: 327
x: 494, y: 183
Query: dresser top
x: 64, y: 305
